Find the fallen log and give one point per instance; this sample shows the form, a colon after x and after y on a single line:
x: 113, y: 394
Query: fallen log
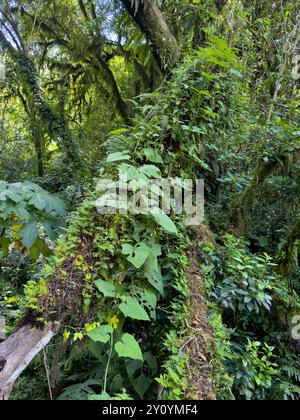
x: 17, y: 351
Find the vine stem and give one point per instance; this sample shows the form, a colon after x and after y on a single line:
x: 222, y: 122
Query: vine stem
x: 108, y: 362
x: 47, y: 374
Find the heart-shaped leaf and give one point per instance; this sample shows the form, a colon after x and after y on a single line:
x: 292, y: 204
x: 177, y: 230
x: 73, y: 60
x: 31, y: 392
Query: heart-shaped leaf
x: 129, y: 348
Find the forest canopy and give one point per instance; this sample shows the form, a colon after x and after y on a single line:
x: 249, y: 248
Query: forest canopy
x: 143, y: 296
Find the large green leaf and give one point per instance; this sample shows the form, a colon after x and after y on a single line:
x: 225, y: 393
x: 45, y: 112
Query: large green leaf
x: 150, y: 171
x: 38, y: 248
x: 141, y: 384
x: 101, y: 334
x: 107, y: 288
x: 50, y: 230
x: 133, y: 309
x: 117, y: 157
x: 128, y: 347
x: 38, y: 201
x: 14, y: 195
x: 165, y: 222
x: 21, y: 212
x: 153, y: 155
x: 136, y: 255
x: 29, y: 234
x: 152, y: 268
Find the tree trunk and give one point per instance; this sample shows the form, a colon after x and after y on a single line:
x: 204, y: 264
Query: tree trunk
x: 17, y: 352
x: 39, y: 147
x: 106, y: 71
x: 152, y: 23
x: 29, y: 78
x: 288, y: 255
x: 111, y: 82
x: 56, y: 125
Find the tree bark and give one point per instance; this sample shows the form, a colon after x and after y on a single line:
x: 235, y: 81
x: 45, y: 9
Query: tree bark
x: 287, y: 256
x: 112, y: 85
x: 56, y: 125
x: 18, y: 351
x: 152, y: 23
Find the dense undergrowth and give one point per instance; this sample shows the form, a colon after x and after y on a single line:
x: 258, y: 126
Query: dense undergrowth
x: 256, y: 306
x: 117, y: 286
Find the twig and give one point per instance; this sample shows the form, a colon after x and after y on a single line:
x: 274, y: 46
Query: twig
x: 47, y: 374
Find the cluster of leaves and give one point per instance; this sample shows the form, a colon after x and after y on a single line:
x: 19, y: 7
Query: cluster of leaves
x: 254, y: 370
x: 255, y: 353
x: 242, y: 281
x: 28, y: 214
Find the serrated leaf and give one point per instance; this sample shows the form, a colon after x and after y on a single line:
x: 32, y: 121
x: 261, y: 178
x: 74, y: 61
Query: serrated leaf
x: 38, y: 248
x: 38, y: 202
x: 14, y: 195
x: 49, y: 228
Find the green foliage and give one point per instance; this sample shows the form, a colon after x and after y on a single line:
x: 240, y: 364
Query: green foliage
x: 33, y: 291
x: 101, y: 334
x: 128, y: 347
x: 173, y: 381
x: 257, y: 368
x: 105, y: 397
x: 242, y: 281
x: 220, y: 352
x: 28, y: 214
x: 117, y: 284
x: 131, y: 308
x: 254, y: 369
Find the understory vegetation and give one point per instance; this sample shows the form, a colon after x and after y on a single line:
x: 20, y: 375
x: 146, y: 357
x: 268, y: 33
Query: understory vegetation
x: 144, y: 306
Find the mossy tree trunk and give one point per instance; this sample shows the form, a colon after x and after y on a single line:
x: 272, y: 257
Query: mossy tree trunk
x: 28, y: 74
x: 37, y: 135
x: 55, y: 124
x: 152, y: 23
x: 288, y: 255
